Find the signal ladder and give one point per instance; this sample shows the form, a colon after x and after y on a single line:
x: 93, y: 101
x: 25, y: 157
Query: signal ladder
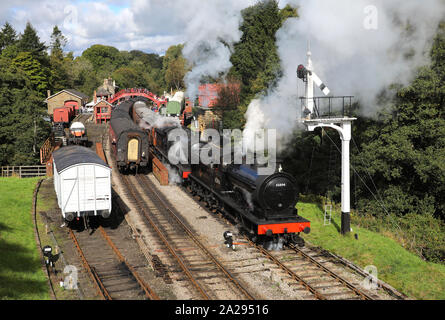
x: 331, y: 175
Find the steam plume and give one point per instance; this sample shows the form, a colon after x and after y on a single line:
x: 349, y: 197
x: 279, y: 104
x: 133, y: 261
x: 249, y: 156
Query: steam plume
x: 211, y: 31
x: 350, y: 56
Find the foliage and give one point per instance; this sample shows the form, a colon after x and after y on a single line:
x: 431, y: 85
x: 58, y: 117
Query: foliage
x: 30, y: 42
x: 288, y: 12
x: 255, y: 59
x: 174, y: 66
x: 58, y: 41
x: 404, y: 154
x: 59, y: 66
x: 127, y: 77
x: 8, y: 36
x: 34, y: 70
x: 103, y: 57
x: 23, y: 85
x: 421, y: 234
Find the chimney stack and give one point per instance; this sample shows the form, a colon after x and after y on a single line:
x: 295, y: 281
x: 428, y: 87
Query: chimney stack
x: 95, y: 97
x: 48, y: 93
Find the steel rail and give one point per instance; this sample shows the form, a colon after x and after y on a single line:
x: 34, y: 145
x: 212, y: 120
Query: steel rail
x: 91, y: 270
x: 149, y: 292
x: 191, y: 234
x: 296, y: 277
x: 362, y: 294
x: 348, y: 264
x: 313, y: 290
x: 164, y: 239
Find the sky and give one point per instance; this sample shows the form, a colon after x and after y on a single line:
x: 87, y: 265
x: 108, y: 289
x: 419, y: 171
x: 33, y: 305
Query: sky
x: 147, y: 25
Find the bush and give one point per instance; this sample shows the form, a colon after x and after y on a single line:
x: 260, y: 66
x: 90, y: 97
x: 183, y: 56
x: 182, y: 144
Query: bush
x: 425, y: 236
x: 421, y: 234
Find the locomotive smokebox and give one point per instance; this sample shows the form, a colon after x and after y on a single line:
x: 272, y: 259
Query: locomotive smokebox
x: 273, y: 195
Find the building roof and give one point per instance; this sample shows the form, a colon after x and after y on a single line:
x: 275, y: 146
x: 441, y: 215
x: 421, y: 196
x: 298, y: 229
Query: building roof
x: 77, y: 93
x: 103, y: 101
x: 92, y: 104
x: 73, y: 92
x: 74, y: 155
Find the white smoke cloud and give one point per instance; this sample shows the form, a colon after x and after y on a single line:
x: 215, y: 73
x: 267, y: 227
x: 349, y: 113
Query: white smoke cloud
x: 211, y: 31
x: 349, y: 57
x: 152, y: 119
x: 173, y: 175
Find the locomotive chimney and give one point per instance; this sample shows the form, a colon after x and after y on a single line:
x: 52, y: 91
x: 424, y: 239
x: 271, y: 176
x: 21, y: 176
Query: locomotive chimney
x: 278, y: 164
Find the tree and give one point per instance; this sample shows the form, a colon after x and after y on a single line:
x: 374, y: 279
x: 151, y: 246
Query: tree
x: 288, y: 12
x: 59, y: 78
x: 404, y: 153
x: 255, y: 59
x: 22, y: 128
x: 150, y: 60
x: 127, y: 77
x: 103, y: 57
x: 8, y: 36
x: 34, y: 71
x: 174, y: 67
x: 58, y: 42
x: 30, y: 42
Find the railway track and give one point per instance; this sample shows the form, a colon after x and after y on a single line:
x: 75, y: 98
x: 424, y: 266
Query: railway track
x: 112, y: 275
x: 313, y: 275
x: 208, y: 277
x: 309, y: 271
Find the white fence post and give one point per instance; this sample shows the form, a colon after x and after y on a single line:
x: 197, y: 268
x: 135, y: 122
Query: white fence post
x: 24, y: 171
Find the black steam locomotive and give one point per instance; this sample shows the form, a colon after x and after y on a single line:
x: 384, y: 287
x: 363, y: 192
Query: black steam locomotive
x: 264, y: 205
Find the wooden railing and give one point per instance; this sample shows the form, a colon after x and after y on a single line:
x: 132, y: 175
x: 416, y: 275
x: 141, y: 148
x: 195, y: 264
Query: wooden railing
x: 23, y: 171
x: 47, y: 149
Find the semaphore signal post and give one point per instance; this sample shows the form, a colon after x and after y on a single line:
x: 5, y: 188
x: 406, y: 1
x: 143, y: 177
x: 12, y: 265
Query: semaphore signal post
x: 330, y: 112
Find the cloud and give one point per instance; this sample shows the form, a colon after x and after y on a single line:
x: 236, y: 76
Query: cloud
x: 150, y: 26
x: 147, y: 25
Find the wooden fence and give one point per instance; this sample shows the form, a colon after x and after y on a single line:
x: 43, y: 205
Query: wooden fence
x: 23, y: 171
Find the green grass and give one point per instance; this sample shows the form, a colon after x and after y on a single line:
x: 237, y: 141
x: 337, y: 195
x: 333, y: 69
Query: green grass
x: 400, y: 268
x: 21, y: 276
x: 46, y: 201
